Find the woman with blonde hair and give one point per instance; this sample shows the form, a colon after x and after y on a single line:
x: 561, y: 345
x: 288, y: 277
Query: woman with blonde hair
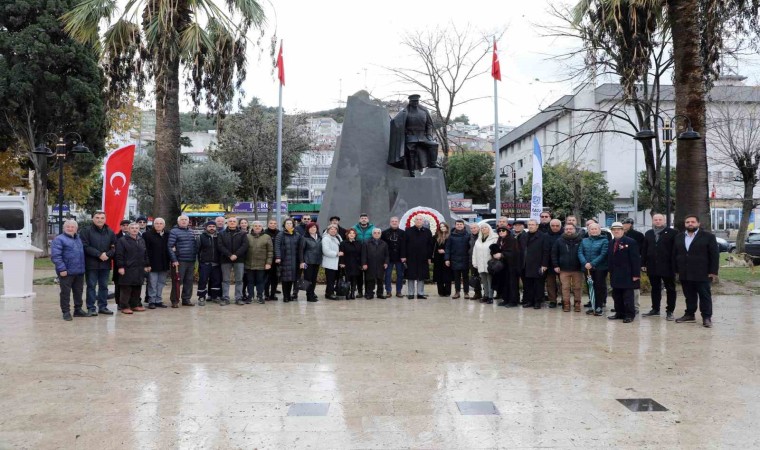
x: 481, y: 254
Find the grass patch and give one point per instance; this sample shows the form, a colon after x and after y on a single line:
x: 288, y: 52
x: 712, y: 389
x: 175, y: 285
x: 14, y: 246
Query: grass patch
x: 740, y: 275
x: 43, y: 263
x: 45, y: 281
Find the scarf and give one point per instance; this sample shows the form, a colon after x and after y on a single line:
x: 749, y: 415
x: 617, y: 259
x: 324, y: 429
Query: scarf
x: 657, y: 231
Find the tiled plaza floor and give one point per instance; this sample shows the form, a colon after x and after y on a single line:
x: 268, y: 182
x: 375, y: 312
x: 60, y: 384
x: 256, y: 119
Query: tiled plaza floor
x: 395, y: 373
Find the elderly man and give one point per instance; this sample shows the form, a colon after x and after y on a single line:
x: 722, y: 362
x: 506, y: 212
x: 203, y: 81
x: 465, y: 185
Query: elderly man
x: 552, y: 279
x: 99, y: 243
x: 123, y: 231
x: 233, y: 246
x: 270, y: 288
x: 696, y: 262
x: 183, y: 249
x: 624, y: 261
x: 375, y: 261
x: 419, y: 254
x: 157, y: 245
x: 394, y: 237
x: 535, y: 265
x: 593, y: 255
x: 474, y: 234
x: 545, y: 223
x: 132, y: 263
x: 657, y: 262
x: 209, y: 268
x: 67, y: 254
x: 221, y: 223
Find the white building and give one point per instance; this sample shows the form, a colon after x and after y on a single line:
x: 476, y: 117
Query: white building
x: 309, y: 182
x: 616, y: 155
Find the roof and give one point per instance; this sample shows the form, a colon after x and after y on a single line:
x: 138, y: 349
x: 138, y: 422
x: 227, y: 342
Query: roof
x: 547, y: 115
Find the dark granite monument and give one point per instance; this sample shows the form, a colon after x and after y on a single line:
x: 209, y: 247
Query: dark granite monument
x: 361, y: 180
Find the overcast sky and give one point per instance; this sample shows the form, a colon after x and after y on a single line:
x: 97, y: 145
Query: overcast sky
x: 349, y: 42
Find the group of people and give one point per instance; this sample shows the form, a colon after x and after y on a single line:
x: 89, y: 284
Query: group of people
x: 513, y: 265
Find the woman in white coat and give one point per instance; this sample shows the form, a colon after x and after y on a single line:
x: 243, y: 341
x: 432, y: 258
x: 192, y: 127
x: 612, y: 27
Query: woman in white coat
x: 481, y: 254
x: 330, y: 256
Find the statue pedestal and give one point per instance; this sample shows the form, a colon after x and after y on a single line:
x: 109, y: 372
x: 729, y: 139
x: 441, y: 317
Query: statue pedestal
x: 428, y: 190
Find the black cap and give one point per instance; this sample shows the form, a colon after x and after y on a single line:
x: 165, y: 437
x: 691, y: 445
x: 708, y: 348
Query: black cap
x: 519, y: 222
x: 141, y: 219
x: 363, y: 215
x: 629, y: 220
x: 334, y: 218
x: 414, y: 97
x: 124, y: 222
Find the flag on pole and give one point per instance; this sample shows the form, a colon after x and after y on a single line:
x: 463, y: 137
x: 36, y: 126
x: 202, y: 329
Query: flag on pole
x: 495, y: 66
x: 118, y: 173
x: 280, y: 67
x: 537, y: 199
x: 714, y: 193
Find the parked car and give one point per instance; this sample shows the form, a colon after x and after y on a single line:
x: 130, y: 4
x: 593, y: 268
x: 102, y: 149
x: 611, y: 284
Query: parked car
x: 751, y: 245
x: 723, y: 245
x: 732, y: 244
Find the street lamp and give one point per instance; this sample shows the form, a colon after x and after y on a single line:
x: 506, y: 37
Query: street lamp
x: 503, y: 174
x: 645, y: 134
x: 60, y: 154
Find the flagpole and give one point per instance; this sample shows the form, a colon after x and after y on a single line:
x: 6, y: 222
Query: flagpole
x: 497, y: 164
x: 278, y: 196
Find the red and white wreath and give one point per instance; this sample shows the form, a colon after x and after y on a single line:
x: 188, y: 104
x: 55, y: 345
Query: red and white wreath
x: 430, y: 217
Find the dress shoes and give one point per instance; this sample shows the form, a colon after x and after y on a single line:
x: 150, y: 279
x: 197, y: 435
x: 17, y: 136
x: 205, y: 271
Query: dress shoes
x: 686, y: 318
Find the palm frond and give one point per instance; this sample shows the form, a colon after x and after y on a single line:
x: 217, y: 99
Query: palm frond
x: 122, y: 36
x: 195, y: 40
x: 81, y: 23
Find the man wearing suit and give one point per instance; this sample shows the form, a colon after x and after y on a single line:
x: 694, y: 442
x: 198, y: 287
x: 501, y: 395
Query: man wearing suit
x: 695, y: 257
x: 657, y: 262
x: 625, y: 269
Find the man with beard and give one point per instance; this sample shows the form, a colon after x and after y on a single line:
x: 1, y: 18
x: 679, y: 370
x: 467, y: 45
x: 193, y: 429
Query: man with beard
x: 395, y: 238
x: 567, y: 265
x: 209, y: 265
x: 657, y: 262
x: 552, y: 279
x: 696, y: 259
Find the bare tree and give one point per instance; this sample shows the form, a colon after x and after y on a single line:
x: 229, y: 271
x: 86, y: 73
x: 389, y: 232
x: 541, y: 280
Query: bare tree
x: 448, y: 58
x: 735, y: 143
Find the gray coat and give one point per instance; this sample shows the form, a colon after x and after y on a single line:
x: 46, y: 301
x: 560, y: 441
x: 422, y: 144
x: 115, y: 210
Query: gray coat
x: 286, y: 250
x: 375, y: 256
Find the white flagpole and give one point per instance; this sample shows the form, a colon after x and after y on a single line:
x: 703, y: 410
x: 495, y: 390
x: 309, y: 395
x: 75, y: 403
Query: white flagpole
x: 497, y: 163
x: 278, y: 196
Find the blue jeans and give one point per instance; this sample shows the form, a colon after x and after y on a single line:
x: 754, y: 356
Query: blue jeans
x: 156, y: 283
x: 256, y: 279
x: 399, y: 276
x: 97, y: 278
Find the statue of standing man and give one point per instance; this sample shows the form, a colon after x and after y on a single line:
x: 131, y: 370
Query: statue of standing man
x: 412, y: 146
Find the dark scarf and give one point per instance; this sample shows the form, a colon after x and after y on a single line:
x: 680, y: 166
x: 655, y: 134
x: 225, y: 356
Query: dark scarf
x: 657, y: 231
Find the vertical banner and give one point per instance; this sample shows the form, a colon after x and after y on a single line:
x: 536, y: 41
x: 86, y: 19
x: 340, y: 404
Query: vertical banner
x: 116, y: 179
x: 537, y: 199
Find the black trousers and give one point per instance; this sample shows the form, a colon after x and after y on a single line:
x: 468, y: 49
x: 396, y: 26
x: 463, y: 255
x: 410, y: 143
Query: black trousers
x: 670, y: 290
x: 515, y: 276
x: 698, y: 292
x: 270, y: 288
x: 360, y: 282
x: 600, y: 287
x: 310, y: 274
x: 505, y: 285
x: 474, y: 273
x: 370, y: 283
x: 624, y: 306
x: 287, y: 286
x: 461, y: 281
x: 533, y: 291
x: 71, y: 284
x: 130, y: 296
x: 331, y: 279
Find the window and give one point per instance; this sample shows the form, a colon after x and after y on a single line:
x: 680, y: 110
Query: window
x: 519, y: 163
x: 753, y: 238
x: 11, y: 219
x: 520, y: 183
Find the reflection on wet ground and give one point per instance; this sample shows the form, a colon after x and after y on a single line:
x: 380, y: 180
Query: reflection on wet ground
x: 375, y: 374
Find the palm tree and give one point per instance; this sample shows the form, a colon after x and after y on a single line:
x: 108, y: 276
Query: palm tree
x: 151, y: 42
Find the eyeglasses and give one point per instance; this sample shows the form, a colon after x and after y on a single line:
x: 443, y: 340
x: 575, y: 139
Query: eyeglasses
x: 544, y: 217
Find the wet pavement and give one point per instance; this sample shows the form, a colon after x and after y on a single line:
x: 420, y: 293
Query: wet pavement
x: 395, y: 373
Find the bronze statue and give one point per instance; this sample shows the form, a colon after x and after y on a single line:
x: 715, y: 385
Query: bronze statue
x: 412, y: 146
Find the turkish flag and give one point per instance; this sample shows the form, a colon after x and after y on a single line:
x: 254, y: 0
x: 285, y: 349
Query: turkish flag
x: 118, y: 173
x: 495, y: 66
x: 280, y: 67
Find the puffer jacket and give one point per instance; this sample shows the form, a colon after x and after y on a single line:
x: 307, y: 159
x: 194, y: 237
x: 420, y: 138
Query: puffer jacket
x: 286, y: 250
x: 260, y: 251
x: 458, y: 250
x: 67, y: 253
x: 310, y: 250
x: 593, y: 250
x: 565, y: 254
x: 364, y: 234
x: 233, y: 242
x: 481, y: 253
x: 330, y: 249
x: 208, y: 248
x: 97, y: 241
x: 182, y: 245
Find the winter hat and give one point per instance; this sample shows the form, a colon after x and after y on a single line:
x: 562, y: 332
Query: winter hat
x: 210, y: 222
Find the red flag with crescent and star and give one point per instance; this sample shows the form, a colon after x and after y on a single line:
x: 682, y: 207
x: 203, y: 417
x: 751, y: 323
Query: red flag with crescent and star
x: 495, y: 66
x: 118, y: 173
x: 281, y: 66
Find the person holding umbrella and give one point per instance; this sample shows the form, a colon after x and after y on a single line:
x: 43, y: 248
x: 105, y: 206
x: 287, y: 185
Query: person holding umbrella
x: 593, y: 257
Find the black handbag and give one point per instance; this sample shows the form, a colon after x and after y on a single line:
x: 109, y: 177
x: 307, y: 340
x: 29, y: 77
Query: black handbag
x: 475, y: 282
x: 343, y: 287
x: 302, y: 284
x: 495, y: 266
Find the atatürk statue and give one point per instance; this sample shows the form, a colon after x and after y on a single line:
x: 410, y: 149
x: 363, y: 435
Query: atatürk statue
x: 412, y: 146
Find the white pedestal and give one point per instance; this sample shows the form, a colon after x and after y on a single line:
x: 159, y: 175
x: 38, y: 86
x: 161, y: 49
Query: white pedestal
x: 18, y: 272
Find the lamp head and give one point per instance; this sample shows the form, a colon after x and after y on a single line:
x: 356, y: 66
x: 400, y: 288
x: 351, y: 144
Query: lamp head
x: 80, y: 148
x: 645, y: 135
x: 43, y: 149
x: 689, y: 135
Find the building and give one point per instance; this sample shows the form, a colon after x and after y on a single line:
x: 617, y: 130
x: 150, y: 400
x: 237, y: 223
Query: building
x: 310, y: 180
x: 567, y: 133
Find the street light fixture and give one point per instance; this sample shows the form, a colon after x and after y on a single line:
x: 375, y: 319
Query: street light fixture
x: 60, y: 154
x: 503, y: 174
x: 645, y: 134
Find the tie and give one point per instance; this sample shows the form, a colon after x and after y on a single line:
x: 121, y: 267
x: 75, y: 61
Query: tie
x: 615, y: 249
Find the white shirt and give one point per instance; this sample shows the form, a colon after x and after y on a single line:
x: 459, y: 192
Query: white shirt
x: 690, y: 239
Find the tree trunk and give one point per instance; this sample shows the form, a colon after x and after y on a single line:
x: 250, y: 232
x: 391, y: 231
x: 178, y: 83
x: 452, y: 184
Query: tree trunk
x: 166, y: 200
x: 748, y: 204
x: 40, y: 206
x: 691, y: 156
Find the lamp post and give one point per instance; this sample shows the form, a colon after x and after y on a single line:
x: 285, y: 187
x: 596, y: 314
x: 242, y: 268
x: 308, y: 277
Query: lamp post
x: 503, y: 174
x: 62, y: 144
x: 645, y: 134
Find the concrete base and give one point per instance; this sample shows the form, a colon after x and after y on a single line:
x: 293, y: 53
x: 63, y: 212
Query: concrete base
x: 428, y: 190
x: 18, y: 272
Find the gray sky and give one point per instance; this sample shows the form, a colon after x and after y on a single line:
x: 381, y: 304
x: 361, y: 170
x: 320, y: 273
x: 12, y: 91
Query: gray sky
x: 327, y: 43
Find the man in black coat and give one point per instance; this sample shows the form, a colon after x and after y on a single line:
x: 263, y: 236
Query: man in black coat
x: 624, y: 260
x: 394, y: 237
x: 536, y: 263
x: 518, y: 268
x: 696, y: 259
x: 657, y: 262
x: 637, y: 236
x: 270, y: 288
x: 419, y: 253
x: 157, y: 246
x: 233, y: 246
x: 552, y: 278
x: 458, y: 258
x: 123, y: 231
x: 99, y: 243
x: 474, y: 233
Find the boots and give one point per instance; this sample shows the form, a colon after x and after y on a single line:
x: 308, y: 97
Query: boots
x: 577, y: 306
x: 565, y: 305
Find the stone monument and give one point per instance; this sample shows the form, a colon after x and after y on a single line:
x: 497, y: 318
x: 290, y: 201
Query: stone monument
x: 362, y: 181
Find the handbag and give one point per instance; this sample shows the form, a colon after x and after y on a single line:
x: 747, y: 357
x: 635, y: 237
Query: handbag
x: 475, y: 282
x: 495, y: 266
x: 302, y: 284
x: 344, y: 286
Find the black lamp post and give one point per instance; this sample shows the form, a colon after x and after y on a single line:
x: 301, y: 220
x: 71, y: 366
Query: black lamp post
x: 62, y: 151
x: 511, y: 167
x: 667, y: 137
